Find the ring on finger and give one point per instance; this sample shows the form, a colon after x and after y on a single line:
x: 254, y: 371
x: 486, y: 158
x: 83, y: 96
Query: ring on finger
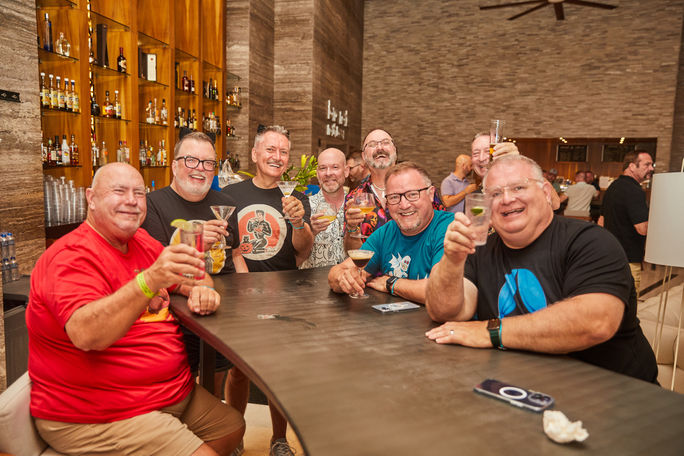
x: 451, y: 332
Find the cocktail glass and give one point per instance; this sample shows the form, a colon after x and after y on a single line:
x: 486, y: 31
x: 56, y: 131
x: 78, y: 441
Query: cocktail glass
x: 360, y: 258
x: 223, y: 213
x: 191, y: 234
x: 496, y: 136
x: 287, y: 187
x: 479, y: 212
x: 366, y: 203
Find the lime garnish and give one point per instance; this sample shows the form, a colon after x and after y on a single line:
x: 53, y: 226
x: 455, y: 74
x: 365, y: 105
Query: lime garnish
x: 181, y: 224
x: 477, y: 210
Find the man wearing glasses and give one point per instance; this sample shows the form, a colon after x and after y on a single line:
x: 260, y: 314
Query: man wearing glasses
x: 358, y: 170
x: 380, y: 154
x: 190, y: 197
x: 407, y: 246
x: 541, y: 283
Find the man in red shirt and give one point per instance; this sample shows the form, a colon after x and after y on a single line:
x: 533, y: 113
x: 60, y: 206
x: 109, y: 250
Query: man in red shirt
x: 106, y: 358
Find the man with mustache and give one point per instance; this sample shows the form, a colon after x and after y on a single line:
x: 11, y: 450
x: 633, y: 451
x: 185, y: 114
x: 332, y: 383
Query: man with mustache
x: 106, y: 357
x: 380, y: 154
x: 407, y: 246
x: 328, y: 234
x: 190, y: 197
x: 541, y: 283
x: 624, y: 211
x: 290, y: 240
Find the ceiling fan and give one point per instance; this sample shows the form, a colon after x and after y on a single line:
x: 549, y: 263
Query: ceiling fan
x: 557, y: 6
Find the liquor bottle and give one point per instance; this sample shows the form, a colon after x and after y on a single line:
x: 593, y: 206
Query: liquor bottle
x: 75, y: 99
x: 117, y: 105
x: 205, y: 88
x: 164, y: 114
x: 157, y: 119
x: 66, y: 152
x: 94, y: 107
x: 121, y: 62
x: 164, y: 154
x: 75, y: 158
x: 48, y: 153
x: 193, y: 125
x: 68, y: 98
x: 149, y: 113
x: 119, y: 152
x: 95, y: 153
x: 148, y: 154
x: 108, y: 108
x: 126, y: 153
x: 104, y: 154
x: 53, y: 93
x: 43, y: 153
x: 47, y: 33
x: 56, y: 152
x: 142, y: 154
x: 153, y: 187
x: 60, y: 94
x: 44, y: 92
x: 192, y: 84
x: 159, y: 154
x: 216, y: 91
x: 62, y: 45
x: 186, y: 82
x: 218, y: 126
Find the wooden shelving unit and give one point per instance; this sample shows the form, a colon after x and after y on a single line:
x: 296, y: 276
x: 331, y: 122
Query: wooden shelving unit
x: 185, y: 35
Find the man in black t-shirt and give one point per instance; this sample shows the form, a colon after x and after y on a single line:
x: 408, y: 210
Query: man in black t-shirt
x: 270, y: 242
x: 190, y: 197
x: 541, y: 282
x: 624, y: 211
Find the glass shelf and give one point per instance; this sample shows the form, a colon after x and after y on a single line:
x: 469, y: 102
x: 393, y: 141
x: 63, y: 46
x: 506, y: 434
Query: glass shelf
x: 149, y: 125
x: 233, y: 108
x: 109, y: 120
x: 232, y: 138
x: 45, y: 166
x: 231, y: 76
x: 210, y: 101
x: 183, y: 93
x: 183, y: 56
x: 112, y: 25
x: 49, y: 112
x: 147, y: 41
x: 206, y: 66
x: 146, y: 83
x: 48, y: 56
x: 106, y: 71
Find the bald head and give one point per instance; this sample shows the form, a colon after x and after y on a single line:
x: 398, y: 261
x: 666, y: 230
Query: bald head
x: 332, y: 170
x: 463, y: 165
x: 116, y: 172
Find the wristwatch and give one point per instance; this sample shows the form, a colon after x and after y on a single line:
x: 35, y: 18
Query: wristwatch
x: 494, y: 328
x: 390, y: 281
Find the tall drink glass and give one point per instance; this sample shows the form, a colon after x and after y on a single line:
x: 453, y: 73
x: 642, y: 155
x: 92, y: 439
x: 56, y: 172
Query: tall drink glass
x: 191, y: 234
x: 496, y: 135
x: 478, y: 209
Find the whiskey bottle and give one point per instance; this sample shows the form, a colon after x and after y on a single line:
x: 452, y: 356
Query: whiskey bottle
x: 121, y: 62
x: 164, y: 157
x: 44, y: 92
x: 104, y: 154
x: 192, y: 84
x: 157, y: 119
x: 53, y: 93
x: 56, y: 151
x: 66, y: 152
x: 47, y: 33
x: 68, y: 99
x: 164, y: 113
x: 95, y: 153
x: 117, y: 105
x: 108, y: 107
x: 142, y: 154
x: 126, y: 153
x: 60, y: 94
x: 62, y: 46
x: 119, y: 152
x: 75, y: 158
x: 186, y: 82
x: 94, y: 107
x: 75, y: 99
x: 149, y: 114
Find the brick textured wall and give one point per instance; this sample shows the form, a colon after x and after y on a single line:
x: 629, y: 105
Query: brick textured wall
x: 435, y: 72
x: 21, y: 185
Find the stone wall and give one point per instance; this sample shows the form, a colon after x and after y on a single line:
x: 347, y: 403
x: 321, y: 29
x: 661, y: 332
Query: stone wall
x: 435, y: 72
x: 21, y: 185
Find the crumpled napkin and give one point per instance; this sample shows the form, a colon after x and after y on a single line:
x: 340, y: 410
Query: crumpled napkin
x: 560, y: 429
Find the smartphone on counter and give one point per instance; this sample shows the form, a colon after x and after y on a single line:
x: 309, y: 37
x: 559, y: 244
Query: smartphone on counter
x: 396, y: 307
x: 515, y: 395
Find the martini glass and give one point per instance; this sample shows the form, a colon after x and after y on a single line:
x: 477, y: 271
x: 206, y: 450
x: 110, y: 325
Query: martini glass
x: 287, y: 187
x: 223, y: 213
x: 360, y: 259
x: 366, y: 203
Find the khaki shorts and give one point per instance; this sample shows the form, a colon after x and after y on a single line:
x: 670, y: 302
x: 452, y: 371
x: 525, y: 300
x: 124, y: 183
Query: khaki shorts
x: 635, y: 269
x: 176, y: 430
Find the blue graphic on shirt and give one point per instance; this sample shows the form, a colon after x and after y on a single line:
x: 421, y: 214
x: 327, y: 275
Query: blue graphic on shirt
x: 521, y: 290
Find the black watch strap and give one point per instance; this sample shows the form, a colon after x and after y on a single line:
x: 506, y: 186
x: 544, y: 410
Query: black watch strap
x: 390, y: 281
x: 494, y: 328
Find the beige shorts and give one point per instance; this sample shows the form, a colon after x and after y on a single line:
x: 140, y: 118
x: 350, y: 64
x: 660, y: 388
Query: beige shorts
x: 176, y: 430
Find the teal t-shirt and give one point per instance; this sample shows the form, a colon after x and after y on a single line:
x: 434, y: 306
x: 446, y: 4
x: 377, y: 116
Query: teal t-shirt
x: 408, y: 257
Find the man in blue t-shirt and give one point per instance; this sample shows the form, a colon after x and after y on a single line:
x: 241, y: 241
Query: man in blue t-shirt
x: 405, y: 248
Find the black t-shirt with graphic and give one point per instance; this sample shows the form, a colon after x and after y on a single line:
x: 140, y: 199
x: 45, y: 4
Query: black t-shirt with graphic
x: 165, y: 205
x: 569, y: 258
x: 265, y: 237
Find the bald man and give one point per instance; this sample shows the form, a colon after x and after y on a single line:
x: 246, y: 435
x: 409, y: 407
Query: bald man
x: 99, y: 304
x: 328, y: 232
x: 456, y: 186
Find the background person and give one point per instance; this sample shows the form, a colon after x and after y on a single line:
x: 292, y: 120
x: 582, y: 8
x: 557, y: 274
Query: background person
x: 456, y: 186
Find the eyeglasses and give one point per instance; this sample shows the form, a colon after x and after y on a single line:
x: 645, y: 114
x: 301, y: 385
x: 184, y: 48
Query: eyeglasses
x: 374, y: 144
x: 192, y: 163
x: 411, y: 195
x: 516, y: 189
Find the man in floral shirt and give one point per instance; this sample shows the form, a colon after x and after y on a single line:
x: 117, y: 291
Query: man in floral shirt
x: 380, y: 154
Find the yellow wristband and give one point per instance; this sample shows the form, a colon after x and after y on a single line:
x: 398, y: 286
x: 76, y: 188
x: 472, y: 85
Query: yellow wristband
x: 143, y: 286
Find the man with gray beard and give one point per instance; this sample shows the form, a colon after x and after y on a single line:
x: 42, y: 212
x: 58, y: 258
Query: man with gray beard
x: 379, y: 153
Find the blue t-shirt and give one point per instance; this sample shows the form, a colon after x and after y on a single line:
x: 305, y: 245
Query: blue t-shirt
x: 410, y: 257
